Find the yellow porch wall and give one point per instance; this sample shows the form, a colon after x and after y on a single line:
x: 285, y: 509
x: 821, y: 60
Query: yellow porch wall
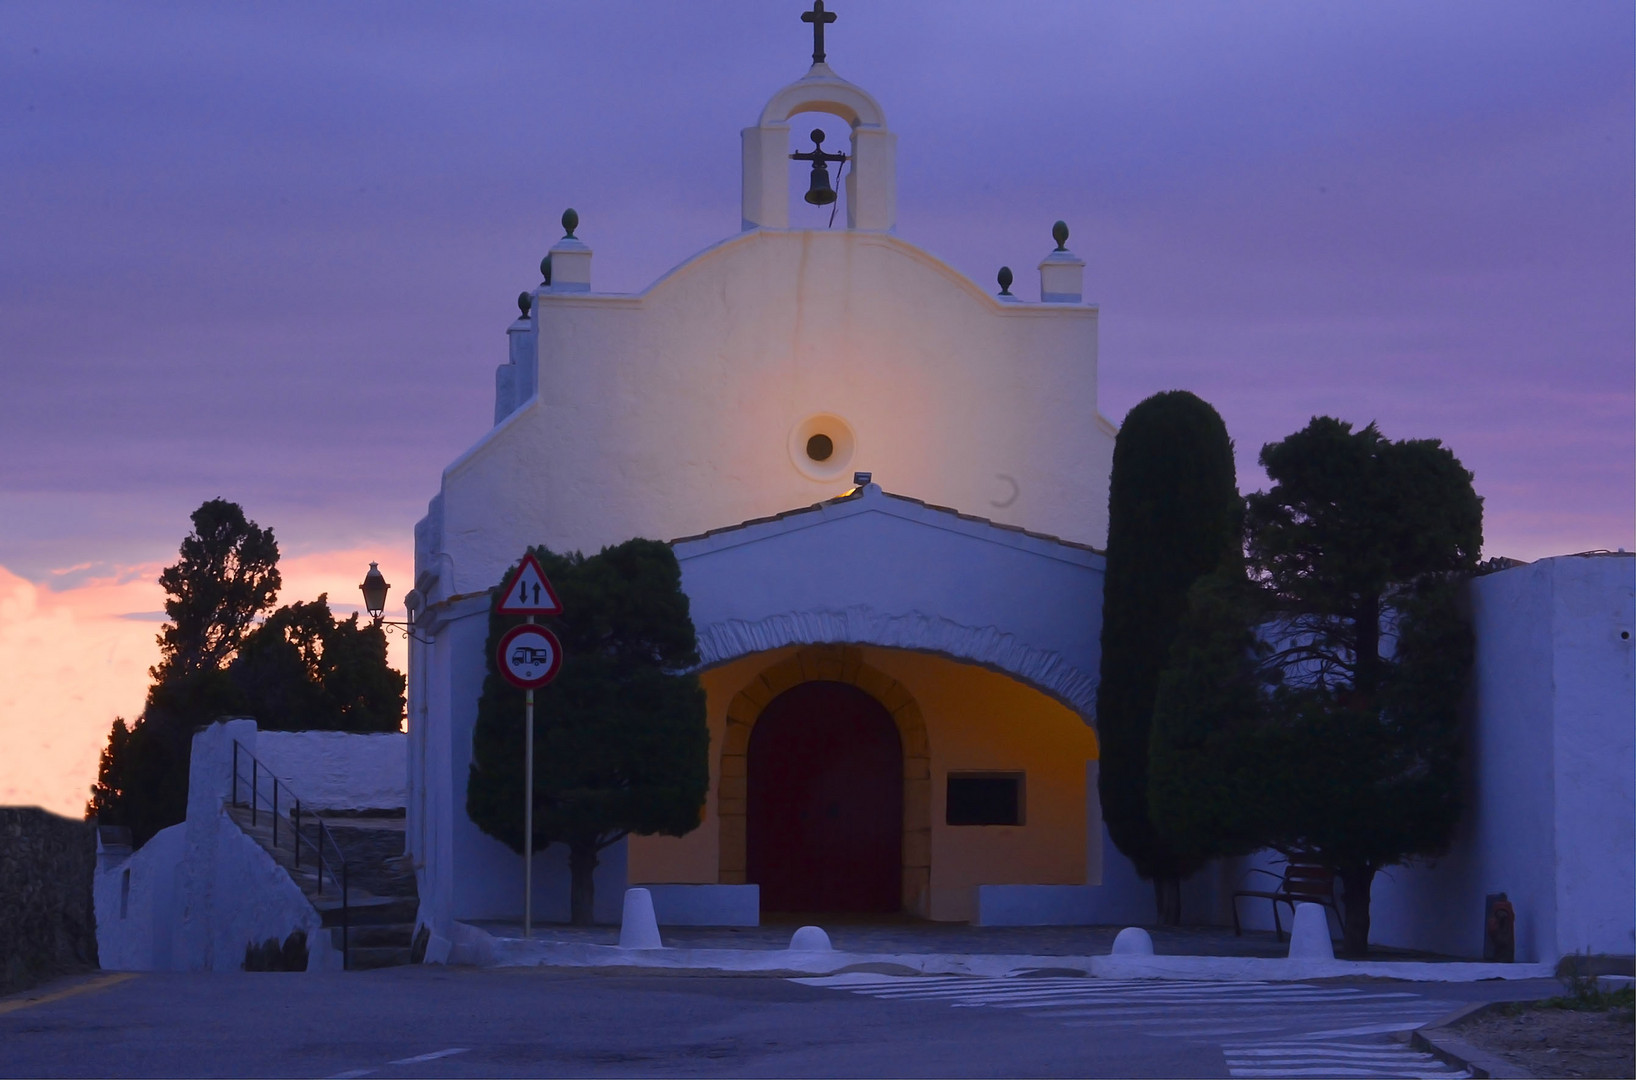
x: 976, y: 720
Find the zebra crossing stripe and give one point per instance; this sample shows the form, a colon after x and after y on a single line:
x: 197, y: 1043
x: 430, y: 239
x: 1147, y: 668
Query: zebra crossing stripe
x: 1235, y: 1010
x: 1413, y: 1073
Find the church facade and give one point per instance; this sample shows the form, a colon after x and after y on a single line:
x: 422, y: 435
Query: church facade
x: 886, y: 488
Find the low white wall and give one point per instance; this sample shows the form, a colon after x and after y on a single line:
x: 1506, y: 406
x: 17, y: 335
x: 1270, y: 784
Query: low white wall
x: 230, y: 893
x: 196, y: 894
x: 706, y: 905
x: 1594, y: 673
x: 136, y: 905
x: 251, y: 899
x: 1550, y: 800
x: 1550, y: 816
x: 338, y: 770
x: 1033, y: 905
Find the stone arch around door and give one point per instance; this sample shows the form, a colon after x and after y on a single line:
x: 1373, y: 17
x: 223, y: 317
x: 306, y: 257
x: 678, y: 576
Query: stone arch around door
x: 830, y: 663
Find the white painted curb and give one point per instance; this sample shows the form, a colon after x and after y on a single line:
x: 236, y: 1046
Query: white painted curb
x: 516, y: 952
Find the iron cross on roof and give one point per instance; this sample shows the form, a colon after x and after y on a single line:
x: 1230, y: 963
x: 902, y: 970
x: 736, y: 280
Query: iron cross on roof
x: 817, y: 17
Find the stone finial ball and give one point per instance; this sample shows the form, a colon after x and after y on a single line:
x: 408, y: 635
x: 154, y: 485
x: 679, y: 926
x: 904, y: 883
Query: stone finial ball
x: 525, y: 302
x: 1059, y: 233
x: 570, y: 222
x: 545, y: 270
x: 1005, y: 279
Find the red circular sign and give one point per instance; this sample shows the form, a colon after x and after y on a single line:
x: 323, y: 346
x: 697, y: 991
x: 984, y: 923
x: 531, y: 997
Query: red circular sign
x: 530, y: 656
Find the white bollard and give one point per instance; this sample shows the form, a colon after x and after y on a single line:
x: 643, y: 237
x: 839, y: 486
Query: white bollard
x: 1309, y: 937
x: 639, y: 928
x: 810, y: 939
x: 1133, y: 941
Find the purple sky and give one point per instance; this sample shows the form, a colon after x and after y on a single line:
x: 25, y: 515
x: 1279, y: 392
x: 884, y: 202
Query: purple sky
x: 270, y: 251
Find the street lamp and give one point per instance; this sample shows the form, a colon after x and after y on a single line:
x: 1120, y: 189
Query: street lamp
x: 375, y: 588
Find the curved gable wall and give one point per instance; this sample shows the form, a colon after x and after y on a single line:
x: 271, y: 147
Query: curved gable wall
x: 670, y: 413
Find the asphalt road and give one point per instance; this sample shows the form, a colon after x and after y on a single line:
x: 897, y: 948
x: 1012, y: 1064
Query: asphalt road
x: 429, y: 1021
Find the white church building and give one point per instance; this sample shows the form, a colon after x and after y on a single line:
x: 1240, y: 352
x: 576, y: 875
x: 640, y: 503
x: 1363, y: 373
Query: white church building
x: 950, y: 604
x: 886, y: 487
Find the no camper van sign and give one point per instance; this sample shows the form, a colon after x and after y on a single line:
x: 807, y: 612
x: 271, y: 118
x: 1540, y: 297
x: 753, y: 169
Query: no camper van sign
x: 530, y: 656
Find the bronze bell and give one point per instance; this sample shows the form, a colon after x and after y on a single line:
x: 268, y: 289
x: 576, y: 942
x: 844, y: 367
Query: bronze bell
x: 819, y: 191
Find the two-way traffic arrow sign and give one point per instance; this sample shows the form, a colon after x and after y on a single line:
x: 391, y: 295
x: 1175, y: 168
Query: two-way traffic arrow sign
x: 529, y: 591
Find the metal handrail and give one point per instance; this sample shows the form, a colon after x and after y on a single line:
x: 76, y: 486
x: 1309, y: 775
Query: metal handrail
x: 262, y: 778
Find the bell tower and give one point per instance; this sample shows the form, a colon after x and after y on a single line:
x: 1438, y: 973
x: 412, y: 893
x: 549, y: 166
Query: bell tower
x: 871, y: 181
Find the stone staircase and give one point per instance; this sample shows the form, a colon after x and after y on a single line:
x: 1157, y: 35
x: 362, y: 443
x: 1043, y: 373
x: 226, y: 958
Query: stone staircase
x: 382, y: 898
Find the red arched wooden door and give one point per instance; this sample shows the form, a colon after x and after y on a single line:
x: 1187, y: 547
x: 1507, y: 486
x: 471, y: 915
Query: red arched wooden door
x: 824, y: 813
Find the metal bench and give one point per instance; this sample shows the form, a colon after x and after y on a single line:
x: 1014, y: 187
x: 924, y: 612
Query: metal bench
x: 1300, y: 883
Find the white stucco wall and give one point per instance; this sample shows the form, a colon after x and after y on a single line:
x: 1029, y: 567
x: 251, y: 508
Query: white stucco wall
x: 672, y: 412
x: 338, y: 770
x: 136, y: 904
x: 201, y: 891
x: 1594, y: 670
x: 1551, y: 764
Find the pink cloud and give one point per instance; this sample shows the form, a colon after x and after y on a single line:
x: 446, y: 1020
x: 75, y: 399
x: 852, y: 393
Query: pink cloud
x: 73, y: 659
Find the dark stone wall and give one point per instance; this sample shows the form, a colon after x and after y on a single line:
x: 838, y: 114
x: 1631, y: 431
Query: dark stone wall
x: 48, y: 924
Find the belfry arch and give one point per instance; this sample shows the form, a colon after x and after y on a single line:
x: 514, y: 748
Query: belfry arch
x: 829, y: 663
x: 871, y: 180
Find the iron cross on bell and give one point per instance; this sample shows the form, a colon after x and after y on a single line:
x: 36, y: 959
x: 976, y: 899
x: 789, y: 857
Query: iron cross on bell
x: 819, y: 190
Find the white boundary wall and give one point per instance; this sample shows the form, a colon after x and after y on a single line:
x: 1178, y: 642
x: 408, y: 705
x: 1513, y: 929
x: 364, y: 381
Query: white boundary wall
x: 197, y: 893
x: 1550, y: 815
x: 338, y: 770
x: 1550, y: 766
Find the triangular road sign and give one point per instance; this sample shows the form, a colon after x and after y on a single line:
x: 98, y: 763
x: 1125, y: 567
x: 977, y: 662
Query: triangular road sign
x: 529, y: 592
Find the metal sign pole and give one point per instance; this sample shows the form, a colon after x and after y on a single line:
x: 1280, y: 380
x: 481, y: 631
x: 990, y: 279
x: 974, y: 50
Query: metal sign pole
x: 529, y: 657
x: 528, y: 810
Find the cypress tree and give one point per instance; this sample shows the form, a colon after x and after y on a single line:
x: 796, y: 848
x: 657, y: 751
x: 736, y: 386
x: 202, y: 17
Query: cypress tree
x: 1207, y: 790
x: 1173, y: 516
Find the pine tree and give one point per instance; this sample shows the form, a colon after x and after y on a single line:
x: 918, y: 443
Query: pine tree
x: 621, y: 744
x: 227, y: 575
x: 1173, y: 515
x: 1360, y: 549
x: 303, y: 669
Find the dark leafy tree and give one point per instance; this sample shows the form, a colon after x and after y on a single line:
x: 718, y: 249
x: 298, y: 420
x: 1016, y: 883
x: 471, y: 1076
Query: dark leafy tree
x: 1359, y: 548
x: 304, y: 669
x: 1207, y: 795
x: 621, y: 743
x: 1173, y: 516
x: 142, y: 778
x: 226, y: 577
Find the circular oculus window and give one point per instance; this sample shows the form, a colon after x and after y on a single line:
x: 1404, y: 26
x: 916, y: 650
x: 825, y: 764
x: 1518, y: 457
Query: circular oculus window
x: 821, y: 447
